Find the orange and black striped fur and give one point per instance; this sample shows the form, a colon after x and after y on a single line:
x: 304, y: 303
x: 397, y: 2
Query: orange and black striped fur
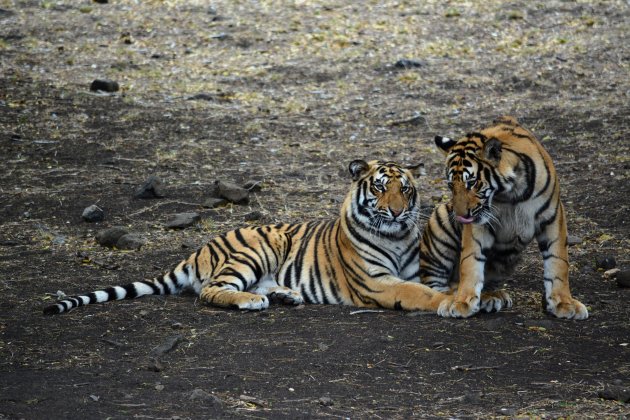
x: 365, y: 258
x: 505, y: 193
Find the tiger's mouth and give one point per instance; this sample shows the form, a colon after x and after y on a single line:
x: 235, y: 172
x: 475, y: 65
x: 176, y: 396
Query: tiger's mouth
x: 465, y: 220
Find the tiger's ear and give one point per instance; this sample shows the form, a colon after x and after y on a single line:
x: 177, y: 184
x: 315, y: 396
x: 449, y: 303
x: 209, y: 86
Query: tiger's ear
x: 357, y: 168
x: 417, y: 170
x: 444, y: 143
x: 492, y: 150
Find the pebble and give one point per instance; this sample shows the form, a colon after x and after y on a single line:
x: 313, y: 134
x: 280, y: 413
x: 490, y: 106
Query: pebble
x: 151, y: 188
x: 104, y: 85
x: 130, y: 241
x: 606, y: 263
x: 182, y: 220
x: 623, y: 278
x: 93, y: 214
x: 408, y: 64
x: 109, y: 237
x: 573, y: 240
x: 326, y: 401
x: 615, y: 393
x: 155, y: 365
x: 214, y: 202
x: 205, y: 397
x: 254, y: 215
x: 232, y: 192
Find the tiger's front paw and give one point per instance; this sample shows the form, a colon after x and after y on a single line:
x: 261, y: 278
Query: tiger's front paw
x: 570, y: 309
x: 449, y: 308
x: 495, y: 300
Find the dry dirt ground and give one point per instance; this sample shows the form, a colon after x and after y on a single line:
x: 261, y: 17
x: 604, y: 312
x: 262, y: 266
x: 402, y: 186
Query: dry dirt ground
x: 287, y: 93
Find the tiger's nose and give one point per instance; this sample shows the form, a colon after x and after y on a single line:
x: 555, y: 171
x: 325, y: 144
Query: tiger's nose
x: 395, y: 212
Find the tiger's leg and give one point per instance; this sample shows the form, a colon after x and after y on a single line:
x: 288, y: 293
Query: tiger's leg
x: 276, y: 293
x: 439, y: 251
x: 393, y: 293
x: 552, y: 242
x: 495, y: 300
x: 466, y: 301
x: 226, y: 289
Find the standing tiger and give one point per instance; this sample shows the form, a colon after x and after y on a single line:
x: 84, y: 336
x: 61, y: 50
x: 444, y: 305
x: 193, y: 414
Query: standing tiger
x: 505, y: 192
x: 363, y: 258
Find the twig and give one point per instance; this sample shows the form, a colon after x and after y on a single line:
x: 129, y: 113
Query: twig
x: 469, y: 368
x: 366, y: 311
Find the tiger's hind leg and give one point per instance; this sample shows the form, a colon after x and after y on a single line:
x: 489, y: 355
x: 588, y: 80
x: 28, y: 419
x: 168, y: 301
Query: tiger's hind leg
x: 228, y: 289
x: 494, y: 301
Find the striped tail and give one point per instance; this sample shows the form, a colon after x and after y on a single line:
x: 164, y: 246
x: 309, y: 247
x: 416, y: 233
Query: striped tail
x: 168, y: 284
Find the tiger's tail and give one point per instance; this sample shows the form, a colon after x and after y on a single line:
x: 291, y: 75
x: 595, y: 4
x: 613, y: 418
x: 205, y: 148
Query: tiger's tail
x: 171, y: 283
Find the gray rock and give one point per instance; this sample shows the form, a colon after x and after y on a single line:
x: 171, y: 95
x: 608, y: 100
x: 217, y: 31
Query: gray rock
x: 326, y: 401
x: 93, y: 214
x: 109, y: 237
x: 623, y: 278
x: 130, y: 241
x: 606, y: 263
x: 151, y: 188
x: 104, y: 85
x: 214, y: 202
x: 254, y: 215
x: 182, y: 220
x: 232, y: 192
x: 205, y: 397
x: 574, y: 240
x: 408, y: 64
x: 615, y: 393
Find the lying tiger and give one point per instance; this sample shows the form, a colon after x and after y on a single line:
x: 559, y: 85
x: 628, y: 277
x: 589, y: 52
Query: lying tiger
x: 364, y: 258
x: 505, y: 193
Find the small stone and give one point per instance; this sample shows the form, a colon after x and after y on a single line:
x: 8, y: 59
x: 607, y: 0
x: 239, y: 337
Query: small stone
x: 182, y: 220
x: 101, y: 1
x: 151, y: 188
x: 58, y: 240
x: 232, y: 192
x: 608, y: 274
x: 177, y: 325
x: 93, y: 214
x: 606, y: 263
x: 205, y: 397
x: 623, y: 278
x: 155, y: 365
x: 254, y: 215
x: 130, y: 241
x: 109, y: 237
x: 253, y: 186
x: 214, y: 202
x: 574, y: 240
x: 408, y: 64
x: 104, y: 85
x: 326, y: 401
x: 615, y: 393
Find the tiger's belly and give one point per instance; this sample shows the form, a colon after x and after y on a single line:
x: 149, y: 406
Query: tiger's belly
x: 513, y: 233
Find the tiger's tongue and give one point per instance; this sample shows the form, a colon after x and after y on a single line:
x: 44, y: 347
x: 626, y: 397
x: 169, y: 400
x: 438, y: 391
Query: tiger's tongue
x: 465, y: 220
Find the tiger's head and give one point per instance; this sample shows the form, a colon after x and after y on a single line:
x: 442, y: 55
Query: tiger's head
x: 384, y: 198
x: 470, y: 164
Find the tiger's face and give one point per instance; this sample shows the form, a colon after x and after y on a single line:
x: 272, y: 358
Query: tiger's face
x: 384, y: 198
x: 470, y: 163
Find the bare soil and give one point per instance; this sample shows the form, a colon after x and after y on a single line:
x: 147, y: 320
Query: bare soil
x: 292, y: 91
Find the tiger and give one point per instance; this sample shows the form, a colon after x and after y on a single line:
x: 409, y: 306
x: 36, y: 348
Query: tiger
x: 504, y: 193
x: 367, y: 257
